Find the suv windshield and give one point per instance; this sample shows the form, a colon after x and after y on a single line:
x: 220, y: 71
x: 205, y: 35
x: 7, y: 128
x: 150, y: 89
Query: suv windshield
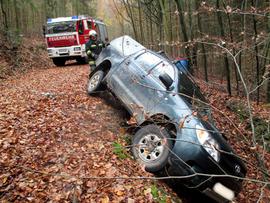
x: 60, y: 27
x: 191, y: 92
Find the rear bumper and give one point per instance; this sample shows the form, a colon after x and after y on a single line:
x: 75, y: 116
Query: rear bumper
x: 72, y: 51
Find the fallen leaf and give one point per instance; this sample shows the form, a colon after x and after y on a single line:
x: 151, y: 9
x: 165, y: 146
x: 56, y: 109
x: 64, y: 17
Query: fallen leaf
x: 105, y: 199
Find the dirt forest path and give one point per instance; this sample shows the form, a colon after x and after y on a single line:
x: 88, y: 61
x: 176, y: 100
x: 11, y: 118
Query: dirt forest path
x: 54, y: 138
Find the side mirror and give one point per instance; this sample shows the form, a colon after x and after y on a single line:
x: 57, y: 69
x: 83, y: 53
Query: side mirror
x: 166, y: 80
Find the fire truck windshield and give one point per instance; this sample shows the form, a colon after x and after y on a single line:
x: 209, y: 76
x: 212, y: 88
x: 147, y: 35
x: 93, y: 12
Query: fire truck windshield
x: 60, y: 27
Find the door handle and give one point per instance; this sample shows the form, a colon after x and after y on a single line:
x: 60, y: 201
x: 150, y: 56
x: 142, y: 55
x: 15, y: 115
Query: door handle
x: 142, y: 77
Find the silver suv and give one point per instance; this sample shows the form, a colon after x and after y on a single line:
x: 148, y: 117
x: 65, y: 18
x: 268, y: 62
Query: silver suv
x: 170, y: 113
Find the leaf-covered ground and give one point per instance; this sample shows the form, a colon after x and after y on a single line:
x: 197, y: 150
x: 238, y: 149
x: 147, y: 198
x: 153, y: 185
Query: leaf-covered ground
x: 30, y: 53
x: 56, y: 143
x: 54, y: 139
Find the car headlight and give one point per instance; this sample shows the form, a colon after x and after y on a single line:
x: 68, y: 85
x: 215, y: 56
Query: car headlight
x: 208, y: 143
x: 50, y: 51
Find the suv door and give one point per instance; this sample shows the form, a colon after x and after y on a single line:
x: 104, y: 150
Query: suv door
x: 118, y: 80
x: 162, y: 97
x: 134, y: 85
x: 149, y: 93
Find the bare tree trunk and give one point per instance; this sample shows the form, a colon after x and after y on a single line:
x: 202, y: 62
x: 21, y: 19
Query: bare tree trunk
x: 51, y: 6
x: 16, y: 14
x: 203, y: 47
x: 233, y: 50
x: 243, y: 19
x: 130, y: 14
x: 25, y: 18
x: 226, y: 60
x: 183, y: 27
x: 171, y: 29
x: 256, y: 52
x: 5, y: 22
x: 77, y: 7
x: 163, y: 16
x: 268, y: 83
x: 194, y: 48
x: 160, y: 27
x: 151, y: 29
x: 141, y: 22
x: 268, y: 91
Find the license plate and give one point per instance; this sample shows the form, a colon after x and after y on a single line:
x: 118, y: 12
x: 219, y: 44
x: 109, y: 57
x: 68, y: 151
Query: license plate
x: 63, y: 50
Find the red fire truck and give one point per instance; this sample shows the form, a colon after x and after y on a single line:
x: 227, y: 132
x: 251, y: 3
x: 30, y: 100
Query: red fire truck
x: 66, y: 37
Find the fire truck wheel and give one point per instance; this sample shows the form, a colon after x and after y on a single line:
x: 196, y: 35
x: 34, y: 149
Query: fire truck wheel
x: 59, y: 61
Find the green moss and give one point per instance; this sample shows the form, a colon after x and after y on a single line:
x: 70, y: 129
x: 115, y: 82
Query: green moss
x: 158, y: 194
x: 239, y: 108
x: 119, y: 151
x: 261, y: 126
x: 262, y: 131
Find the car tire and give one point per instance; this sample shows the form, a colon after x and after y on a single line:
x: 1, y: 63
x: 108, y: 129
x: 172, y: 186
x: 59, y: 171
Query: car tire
x: 59, y: 61
x: 155, y: 139
x: 94, y: 83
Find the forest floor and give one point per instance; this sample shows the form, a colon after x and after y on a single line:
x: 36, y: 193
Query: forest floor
x: 54, y: 138
x: 56, y: 143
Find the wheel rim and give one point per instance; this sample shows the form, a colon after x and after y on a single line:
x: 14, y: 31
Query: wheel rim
x: 150, y: 148
x: 93, y: 82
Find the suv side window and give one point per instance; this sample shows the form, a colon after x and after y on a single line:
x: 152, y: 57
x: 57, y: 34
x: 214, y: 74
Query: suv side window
x: 102, y: 34
x: 105, y: 32
x: 147, y: 61
x: 98, y: 30
x: 163, y: 67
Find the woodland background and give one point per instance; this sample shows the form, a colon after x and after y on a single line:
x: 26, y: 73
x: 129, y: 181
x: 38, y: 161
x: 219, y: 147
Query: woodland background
x: 227, y: 43
x: 180, y: 27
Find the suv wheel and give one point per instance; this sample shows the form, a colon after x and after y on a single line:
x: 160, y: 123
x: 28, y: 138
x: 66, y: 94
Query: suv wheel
x: 151, y: 147
x: 94, y: 83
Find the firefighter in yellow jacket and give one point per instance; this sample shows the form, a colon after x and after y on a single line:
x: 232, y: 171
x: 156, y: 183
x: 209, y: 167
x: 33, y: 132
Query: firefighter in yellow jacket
x: 93, y: 48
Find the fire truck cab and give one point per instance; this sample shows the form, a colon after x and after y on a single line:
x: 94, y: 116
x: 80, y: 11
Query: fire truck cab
x: 66, y: 37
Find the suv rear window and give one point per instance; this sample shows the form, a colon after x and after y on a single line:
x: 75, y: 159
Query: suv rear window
x: 190, y: 90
